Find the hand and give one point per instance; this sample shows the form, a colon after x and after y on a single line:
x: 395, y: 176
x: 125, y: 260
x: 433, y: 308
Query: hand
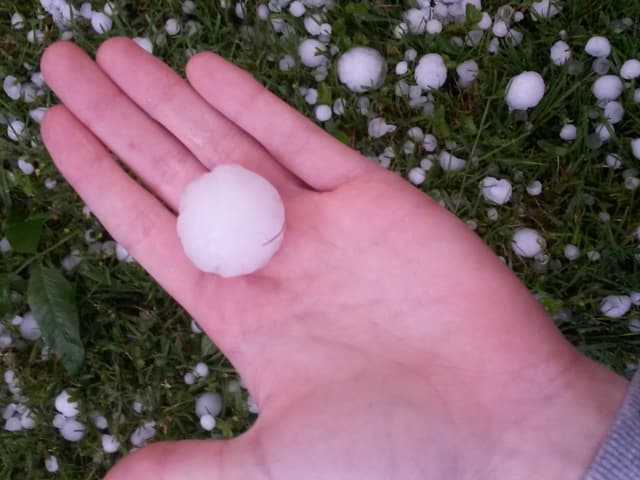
x: 383, y: 341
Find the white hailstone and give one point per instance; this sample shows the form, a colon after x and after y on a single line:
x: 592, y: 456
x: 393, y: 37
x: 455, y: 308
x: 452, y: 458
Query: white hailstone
x: 38, y: 79
x: 450, y: 162
x: 201, y: 370
x: 378, y: 127
x: 51, y: 464
x: 58, y: 420
x: 10, y: 410
x: 239, y: 10
x: 72, y: 260
x: 434, y: 26
x: 363, y: 103
x: 593, y: 255
x: 325, y: 31
x: 408, y: 147
x: 485, y: 22
x: 29, y: 93
x: 528, y: 242
x: 231, y: 243
x: 429, y: 143
x: 607, y: 87
x: 110, y: 444
x: 25, y: 166
x: 560, y: 53
x: 311, y: 53
x: 29, y: 327
x: 500, y: 29
x: 15, y: 130
x: 339, y: 106
x: 5, y: 246
x: 630, y: 69
x: 65, y: 405
x: 474, y: 37
x: 614, y: 111
x: 604, y: 217
x: 123, y: 255
x: 208, y: 422
x: 86, y: 10
x: 615, y: 306
x: 525, y: 91
x: 467, y: 73
x: 189, y: 378
x: 72, y: 430
x: 635, y: 298
x: 571, y: 252
x: 252, y: 405
x: 17, y: 21
x: 13, y: 424
x: 635, y: 147
x: 208, y: 403
x: 195, y: 328
x: 568, y: 132
x: 402, y: 68
x: 312, y: 24
x: 518, y: 17
x: 37, y: 114
x: 410, y: 55
x: 138, y: 407
x: 631, y: 183
x: 188, y: 7
x: 263, y: 12
x: 286, y: 63
x: 427, y: 163
x: 494, y: 46
x: 431, y: 72
x: 35, y: 36
x: 361, y: 69
x: 323, y: 113
x: 544, y: 8
x: 11, y: 87
x: 144, y: 43
x: 172, y: 27
x: 601, y: 66
x: 496, y: 191
x: 143, y: 433
x: 101, y: 22
x: 613, y: 161
x: 311, y: 96
x: 108, y: 8
x: 598, y: 47
x: 492, y: 214
x: 27, y: 421
x: 99, y: 420
x: 603, y: 131
x: 416, y: 134
x: 416, y: 19
x: 400, y: 30
x: 297, y: 8
x: 417, y: 176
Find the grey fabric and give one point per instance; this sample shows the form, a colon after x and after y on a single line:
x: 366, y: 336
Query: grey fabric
x: 619, y: 455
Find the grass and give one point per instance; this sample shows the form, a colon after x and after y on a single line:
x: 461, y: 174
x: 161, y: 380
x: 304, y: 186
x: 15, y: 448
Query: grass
x: 138, y: 341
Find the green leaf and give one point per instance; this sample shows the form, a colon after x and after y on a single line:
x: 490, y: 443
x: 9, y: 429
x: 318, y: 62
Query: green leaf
x: 356, y: 9
x: 207, y: 347
x: 24, y: 233
x: 52, y: 300
x: 552, y: 149
x: 324, y: 94
x: 5, y: 294
x: 340, y: 135
x: 473, y: 14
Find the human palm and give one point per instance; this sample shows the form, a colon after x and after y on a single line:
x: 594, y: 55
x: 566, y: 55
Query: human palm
x: 384, y: 340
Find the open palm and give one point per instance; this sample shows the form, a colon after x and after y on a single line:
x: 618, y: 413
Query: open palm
x: 383, y: 341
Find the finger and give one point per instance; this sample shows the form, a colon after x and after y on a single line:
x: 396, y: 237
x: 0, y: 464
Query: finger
x: 299, y: 144
x: 190, y: 460
x: 164, y: 95
x: 132, y: 215
x: 157, y: 157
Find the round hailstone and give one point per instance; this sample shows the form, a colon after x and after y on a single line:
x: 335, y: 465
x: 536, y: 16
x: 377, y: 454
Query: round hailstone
x: 630, y: 69
x: 143, y: 433
x: 450, y: 162
x: 29, y: 328
x: 15, y: 130
x: 614, y: 111
x: 525, y: 91
x: 311, y: 53
x: 110, y: 444
x: 429, y: 143
x: 601, y: 66
x: 593, y: 255
x: 13, y: 424
x: 101, y: 22
x: 417, y: 19
x: 598, y: 47
x: 231, y: 221
x: 571, y: 252
x: 500, y: 29
x: 263, y: 12
x: 607, y: 87
x: 534, y: 188
x: 560, y: 53
x: 603, y: 131
x: 201, y: 370
x: 544, y: 8
x: 485, y: 22
x: 615, y: 306
x: 189, y: 378
x: 72, y: 430
x: 362, y: 69
x: 323, y: 113
x: 17, y: 21
x: 99, y: 420
x: 208, y: 422
x: 635, y: 148
x: 297, y: 8
x: 568, y: 132
x: 528, y: 243
x: 467, y: 73
x: 51, y: 464
x: 402, y: 68
x: 434, y: 26
x: 613, y: 161
x: 378, y: 127
x: 431, y: 72
x: 417, y: 176
x: 208, y: 403
x: 65, y: 406
x: 496, y: 191
x: 12, y: 87
x: 635, y: 298
x: 172, y: 27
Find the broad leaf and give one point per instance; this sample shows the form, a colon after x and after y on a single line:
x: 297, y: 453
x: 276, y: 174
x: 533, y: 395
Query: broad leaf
x: 52, y: 300
x: 5, y: 294
x: 24, y: 233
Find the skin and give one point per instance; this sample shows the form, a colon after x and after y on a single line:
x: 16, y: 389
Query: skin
x: 384, y: 340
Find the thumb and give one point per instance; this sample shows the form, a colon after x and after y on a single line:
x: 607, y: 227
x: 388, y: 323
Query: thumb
x: 189, y: 460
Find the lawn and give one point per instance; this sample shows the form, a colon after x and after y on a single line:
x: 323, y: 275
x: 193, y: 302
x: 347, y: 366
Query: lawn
x: 130, y: 353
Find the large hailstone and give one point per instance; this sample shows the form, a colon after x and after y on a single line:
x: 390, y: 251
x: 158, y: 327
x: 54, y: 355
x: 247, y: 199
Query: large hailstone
x: 525, y: 91
x: 607, y: 87
x: 431, y: 72
x: 311, y: 53
x: 528, y: 242
x: 231, y: 221
x: 496, y: 191
x: 615, y: 306
x: 362, y: 69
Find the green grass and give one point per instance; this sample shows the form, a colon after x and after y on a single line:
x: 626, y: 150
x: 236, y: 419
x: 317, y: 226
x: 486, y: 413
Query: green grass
x: 138, y: 341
